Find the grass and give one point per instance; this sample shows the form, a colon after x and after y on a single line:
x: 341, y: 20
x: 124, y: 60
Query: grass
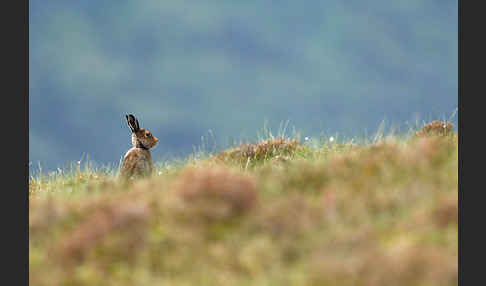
x: 273, y: 212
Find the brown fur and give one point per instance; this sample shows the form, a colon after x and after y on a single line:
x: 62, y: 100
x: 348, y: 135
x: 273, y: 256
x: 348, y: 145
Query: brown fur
x: 138, y: 160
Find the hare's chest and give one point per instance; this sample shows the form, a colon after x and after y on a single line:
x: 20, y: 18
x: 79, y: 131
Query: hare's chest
x: 146, y: 161
x: 137, y: 162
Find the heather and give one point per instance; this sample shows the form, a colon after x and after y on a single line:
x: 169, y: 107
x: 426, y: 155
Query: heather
x: 278, y: 211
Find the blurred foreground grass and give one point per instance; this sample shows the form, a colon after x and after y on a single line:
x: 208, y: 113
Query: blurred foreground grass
x: 275, y: 212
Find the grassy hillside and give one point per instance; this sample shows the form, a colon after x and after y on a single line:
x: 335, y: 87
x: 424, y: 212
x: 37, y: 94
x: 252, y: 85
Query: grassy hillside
x: 275, y: 212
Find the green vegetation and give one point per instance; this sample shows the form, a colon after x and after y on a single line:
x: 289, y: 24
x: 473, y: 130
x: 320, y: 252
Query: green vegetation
x: 275, y: 212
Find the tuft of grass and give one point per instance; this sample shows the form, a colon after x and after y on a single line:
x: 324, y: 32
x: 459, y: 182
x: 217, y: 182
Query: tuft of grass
x: 273, y: 212
x: 215, y: 193
x: 252, y: 154
x: 436, y: 128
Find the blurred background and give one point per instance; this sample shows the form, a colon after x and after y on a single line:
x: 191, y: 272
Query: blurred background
x: 193, y: 70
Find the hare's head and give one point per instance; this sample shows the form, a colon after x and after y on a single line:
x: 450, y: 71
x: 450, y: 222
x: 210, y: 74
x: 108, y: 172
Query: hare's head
x: 141, y: 138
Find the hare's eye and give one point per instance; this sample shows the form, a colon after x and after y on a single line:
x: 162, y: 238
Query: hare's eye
x: 147, y: 135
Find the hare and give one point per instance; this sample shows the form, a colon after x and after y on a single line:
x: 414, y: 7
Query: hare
x: 138, y: 160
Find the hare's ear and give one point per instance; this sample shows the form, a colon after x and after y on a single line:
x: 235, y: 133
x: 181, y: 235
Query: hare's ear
x: 136, y: 122
x: 132, y: 122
